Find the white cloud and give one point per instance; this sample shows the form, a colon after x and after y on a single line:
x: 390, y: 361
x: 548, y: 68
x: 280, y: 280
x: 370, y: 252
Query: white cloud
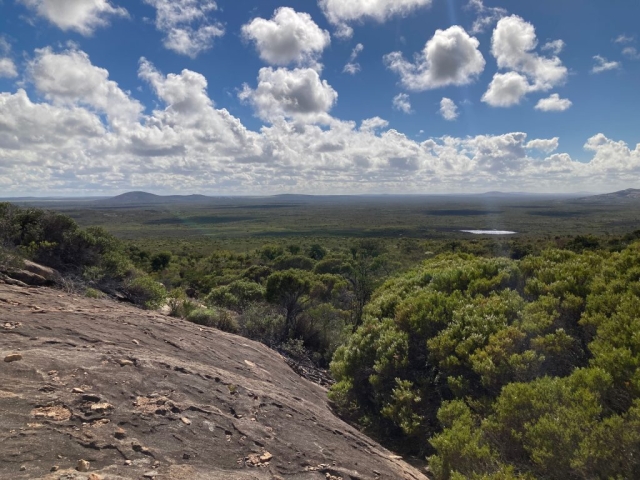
x: 187, y: 25
x: 5, y: 46
x: 506, y: 90
x: 288, y: 37
x: 451, y: 57
x: 554, y: 104
x: 352, y: 67
x: 513, y: 45
x: 82, y: 16
x: 448, y: 109
x: 486, y: 16
x: 623, y: 39
x: 401, y: 102
x: 299, y: 94
x: 35, y: 125
x: 61, y: 144
x: 342, y: 13
x: 7, y: 68
x: 631, y: 52
x: 69, y: 78
x: 604, y: 65
x: 544, y: 145
x: 555, y: 47
x: 372, y: 124
x: 189, y: 122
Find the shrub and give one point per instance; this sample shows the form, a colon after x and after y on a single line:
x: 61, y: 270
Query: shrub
x: 263, y: 323
x: 160, y: 261
x: 532, y: 366
x: 236, y: 295
x: 317, y: 251
x: 297, y: 262
x: 93, y: 293
x: 179, y: 304
x: 219, y: 319
x: 146, y: 292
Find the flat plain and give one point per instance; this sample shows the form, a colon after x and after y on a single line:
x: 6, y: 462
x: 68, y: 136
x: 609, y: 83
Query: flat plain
x: 240, y: 223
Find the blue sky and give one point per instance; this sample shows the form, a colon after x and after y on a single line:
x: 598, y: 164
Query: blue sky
x: 251, y: 97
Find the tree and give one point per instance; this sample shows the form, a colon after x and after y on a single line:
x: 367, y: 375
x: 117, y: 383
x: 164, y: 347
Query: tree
x: 287, y: 289
x: 160, y: 261
x: 317, y: 251
x: 362, y: 272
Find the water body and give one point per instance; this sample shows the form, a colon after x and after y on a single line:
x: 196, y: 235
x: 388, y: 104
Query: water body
x: 489, y: 232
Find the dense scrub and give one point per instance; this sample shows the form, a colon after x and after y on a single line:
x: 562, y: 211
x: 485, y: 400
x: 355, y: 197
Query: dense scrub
x: 504, y: 368
x: 90, y: 256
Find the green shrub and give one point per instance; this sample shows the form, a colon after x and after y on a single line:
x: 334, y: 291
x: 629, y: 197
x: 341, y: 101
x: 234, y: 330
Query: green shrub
x: 317, y: 251
x: 263, y: 323
x: 219, y: 319
x: 532, y: 366
x: 93, y: 293
x: 297, y: 262
x: 237, y: 295
x: 146, y: 292
x: 160, y: 261
x: 179, y: 304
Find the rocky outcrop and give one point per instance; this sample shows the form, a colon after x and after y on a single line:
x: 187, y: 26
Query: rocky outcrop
x: 31, y: 273
x: 97, y: 389
x: 49, y: 274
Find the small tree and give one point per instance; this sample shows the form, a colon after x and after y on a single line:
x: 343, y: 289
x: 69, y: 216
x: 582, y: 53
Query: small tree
x: 287, y: 289
x: 317, y: 251
x: 160, y: 261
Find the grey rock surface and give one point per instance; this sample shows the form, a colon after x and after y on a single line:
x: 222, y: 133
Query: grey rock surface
x: 182, y: 402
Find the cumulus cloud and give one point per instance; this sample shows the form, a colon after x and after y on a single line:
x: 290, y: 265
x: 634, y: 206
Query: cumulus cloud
x: 62, y: 144
x: 401, y: 102
x: 69, y: 78
x: 451, y: 57
x: 352, y: 67
x: 342, y: 13
x: 187, y: 25
x: 372, y: 124
x: 7, y: 68
x: 604, y: 65
x: 82, y: 16
x: 544, y: 145
x: 299, y: 94
x: 288, y: 37
x: 486, y: 16
x: 513, y: 45
x: 189, y: 122
x: 554, y: 104
x: 448, y: 109
x: 506, y: 89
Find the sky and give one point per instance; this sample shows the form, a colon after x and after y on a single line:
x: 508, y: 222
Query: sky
x: 248, y: 97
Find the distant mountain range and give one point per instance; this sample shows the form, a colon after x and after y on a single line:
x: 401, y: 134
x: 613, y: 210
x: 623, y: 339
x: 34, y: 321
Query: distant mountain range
x: 138, y: 198
x: 144, y: 198
x: 630, y: 195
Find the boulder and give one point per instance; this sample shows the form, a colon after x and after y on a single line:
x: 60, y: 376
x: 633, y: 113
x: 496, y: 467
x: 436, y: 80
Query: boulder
x: 45, y: 272
x: 25, y: 276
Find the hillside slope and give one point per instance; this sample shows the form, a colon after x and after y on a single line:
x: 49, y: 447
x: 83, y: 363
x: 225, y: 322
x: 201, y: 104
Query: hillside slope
x: 141, y: 395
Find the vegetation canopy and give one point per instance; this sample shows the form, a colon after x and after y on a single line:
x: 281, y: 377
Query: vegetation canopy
x: 504, y: 368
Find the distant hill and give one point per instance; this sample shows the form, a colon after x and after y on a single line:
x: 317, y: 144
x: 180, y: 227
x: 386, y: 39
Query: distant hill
x: 144, y: 198
x: 630, y: 195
